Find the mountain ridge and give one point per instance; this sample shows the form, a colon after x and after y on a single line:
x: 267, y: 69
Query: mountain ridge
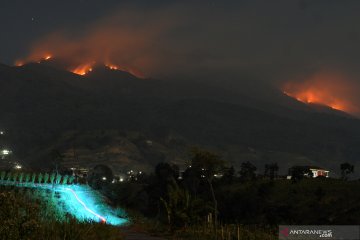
x: 42, y: 102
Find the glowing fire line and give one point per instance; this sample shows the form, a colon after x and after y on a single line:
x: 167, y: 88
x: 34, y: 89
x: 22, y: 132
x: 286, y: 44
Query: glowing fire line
x: 85, y: 68
x: 84, y: 205
x: 311, y: 97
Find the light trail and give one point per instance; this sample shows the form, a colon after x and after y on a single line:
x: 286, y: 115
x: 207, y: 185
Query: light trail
x: 84, y: 205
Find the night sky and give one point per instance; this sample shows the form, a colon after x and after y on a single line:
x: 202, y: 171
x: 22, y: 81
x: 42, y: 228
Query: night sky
x: 23, y: 22
x: 237, y: 33
x: 273, y: 40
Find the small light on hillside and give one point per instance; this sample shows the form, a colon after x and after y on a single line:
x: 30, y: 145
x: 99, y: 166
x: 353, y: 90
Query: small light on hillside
x: 5, y: 152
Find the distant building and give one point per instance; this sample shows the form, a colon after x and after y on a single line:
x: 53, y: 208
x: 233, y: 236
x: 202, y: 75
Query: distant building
x: 308, y: 171
x: 319, y: 172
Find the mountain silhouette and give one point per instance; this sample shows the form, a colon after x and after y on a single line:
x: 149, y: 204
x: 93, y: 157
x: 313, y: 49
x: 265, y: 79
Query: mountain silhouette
x: 42, y: 102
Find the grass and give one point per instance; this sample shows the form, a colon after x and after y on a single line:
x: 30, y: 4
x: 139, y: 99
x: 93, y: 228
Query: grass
x: 225, y: 232
x: 24, y: 217
x: 307, y: 202
x: 204, y: 231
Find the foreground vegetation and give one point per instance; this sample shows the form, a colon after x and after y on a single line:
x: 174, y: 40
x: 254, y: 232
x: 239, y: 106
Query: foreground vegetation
x: 24, y: 216
x: 198, y: 205
x: 253, y: 208
x: 239, y: 205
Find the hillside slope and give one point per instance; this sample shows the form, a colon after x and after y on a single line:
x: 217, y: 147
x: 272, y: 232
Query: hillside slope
x: 41, y: 103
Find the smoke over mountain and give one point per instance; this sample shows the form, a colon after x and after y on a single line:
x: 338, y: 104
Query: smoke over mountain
x: 332, y: 89
x: 215, y: 41
x: 128, y: 40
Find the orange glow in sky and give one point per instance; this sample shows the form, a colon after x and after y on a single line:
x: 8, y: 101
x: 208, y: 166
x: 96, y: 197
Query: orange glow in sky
x: 19, y: 63
x: 332, y: 90
x: 315, y: 96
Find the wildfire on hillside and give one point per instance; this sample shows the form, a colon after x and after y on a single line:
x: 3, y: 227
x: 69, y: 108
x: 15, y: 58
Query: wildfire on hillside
x: 119, y: 48
x: 136, y: 73
x: 314, y: 96
x: 83, y: 69
x: 326, y: 89
x: 112, y: 66
x: 44, y: 57
x: 19, y: 63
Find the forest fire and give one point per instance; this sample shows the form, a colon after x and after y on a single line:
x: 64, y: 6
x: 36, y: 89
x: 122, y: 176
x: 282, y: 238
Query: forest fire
x: 110, y: 41
x: 75, y: 67
x: 45, y: 58
x: 83, y: 69
x: 112, y: 66
x: 19, y: 63
x: 314, y: 96
x: 136, y: 73
x: 330, y: 90
x: 38, y: 59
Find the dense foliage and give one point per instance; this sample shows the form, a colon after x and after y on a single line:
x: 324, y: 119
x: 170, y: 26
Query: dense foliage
x: 244, y: 198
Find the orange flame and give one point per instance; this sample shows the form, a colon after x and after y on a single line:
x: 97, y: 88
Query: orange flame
x: 45, y: 58
x: 19, y: 63
x: 39, y: 57
x: 332, y: 90
x: 125, y: 69
x: 83, y: 69
x: 112, y: 66
x: 314, y: 96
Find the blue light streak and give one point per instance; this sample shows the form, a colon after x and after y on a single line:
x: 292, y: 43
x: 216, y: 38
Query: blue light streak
x: 80, y: 201
x: 84, y: 205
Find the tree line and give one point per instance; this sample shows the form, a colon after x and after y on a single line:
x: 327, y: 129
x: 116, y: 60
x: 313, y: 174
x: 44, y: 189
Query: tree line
x: 210, y: 190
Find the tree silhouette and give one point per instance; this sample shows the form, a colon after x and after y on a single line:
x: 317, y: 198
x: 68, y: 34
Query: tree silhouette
x: 346, y: 169
x: 181, y: 207
x: 271, y: 170
x: 57, y: 159
x: 247, y: 171
x: 206, y: 164
x: 229, y: 175
x: 299, y: 172
x: 166, y: 172
x: 100, y: 176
